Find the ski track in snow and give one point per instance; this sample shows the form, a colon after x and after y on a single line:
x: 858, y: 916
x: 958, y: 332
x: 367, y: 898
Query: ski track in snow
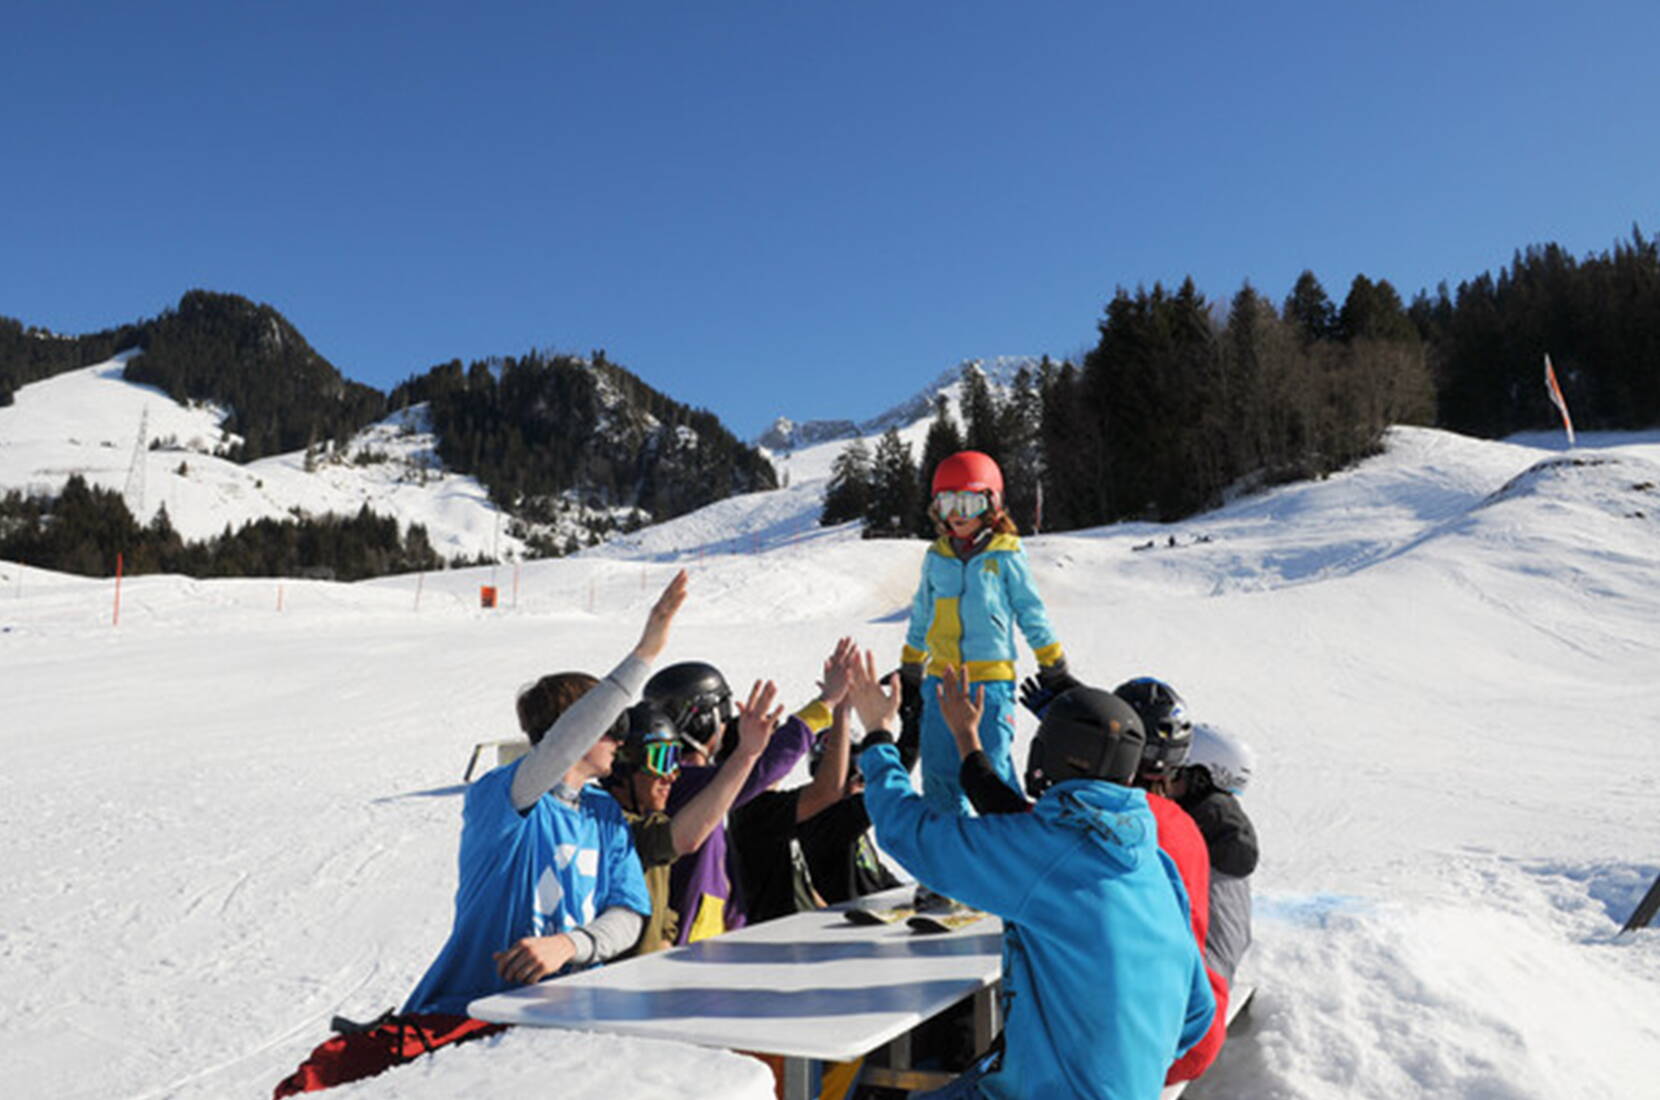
x: 226, y: 823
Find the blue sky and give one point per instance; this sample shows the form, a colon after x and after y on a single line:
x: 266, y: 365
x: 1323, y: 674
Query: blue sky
x: 807, y: 209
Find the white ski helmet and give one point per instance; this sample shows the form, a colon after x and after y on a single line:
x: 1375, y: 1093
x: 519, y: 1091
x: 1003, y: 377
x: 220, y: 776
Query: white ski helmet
x: 1225, y: 757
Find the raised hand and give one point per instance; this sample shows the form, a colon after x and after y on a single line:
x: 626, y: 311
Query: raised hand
x: 758, y: 717
x: 656, y: 633
x: 960, y: 710
x: 1035, y: 697
x: 838, y: 673
x: 876, y: 702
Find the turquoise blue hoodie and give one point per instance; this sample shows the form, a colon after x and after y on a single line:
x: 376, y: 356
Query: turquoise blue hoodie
x: 1103, y: 985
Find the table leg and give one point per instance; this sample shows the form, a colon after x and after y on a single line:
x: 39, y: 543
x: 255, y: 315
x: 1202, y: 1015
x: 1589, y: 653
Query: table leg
x: 985, y: 1018
x: 801, y: 1079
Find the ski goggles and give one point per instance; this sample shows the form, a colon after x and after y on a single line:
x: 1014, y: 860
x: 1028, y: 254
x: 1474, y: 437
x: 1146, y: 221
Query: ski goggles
x: 962, y: 502
x: 662, y: 759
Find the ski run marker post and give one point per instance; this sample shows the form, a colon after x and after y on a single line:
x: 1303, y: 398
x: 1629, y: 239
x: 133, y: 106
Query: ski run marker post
x: 1557, y: 399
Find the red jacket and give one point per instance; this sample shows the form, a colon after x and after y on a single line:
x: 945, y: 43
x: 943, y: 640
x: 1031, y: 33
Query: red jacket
x: 1180, y: 839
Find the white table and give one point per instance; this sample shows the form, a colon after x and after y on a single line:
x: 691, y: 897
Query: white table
x: 811, y: 988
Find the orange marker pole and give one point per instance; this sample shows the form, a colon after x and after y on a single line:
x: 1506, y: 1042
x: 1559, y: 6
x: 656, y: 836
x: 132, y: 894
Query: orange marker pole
x: 116, y: 620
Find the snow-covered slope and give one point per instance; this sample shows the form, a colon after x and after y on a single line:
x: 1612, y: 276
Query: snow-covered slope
x: 225, y: 822
x: 87, y: 422
x: 788, y: 435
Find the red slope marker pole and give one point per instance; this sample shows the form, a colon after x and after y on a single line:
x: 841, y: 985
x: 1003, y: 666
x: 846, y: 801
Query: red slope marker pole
x: 116, y: 619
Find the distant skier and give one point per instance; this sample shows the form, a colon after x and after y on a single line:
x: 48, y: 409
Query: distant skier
x: 976, y: 588
x: 1103, y: 984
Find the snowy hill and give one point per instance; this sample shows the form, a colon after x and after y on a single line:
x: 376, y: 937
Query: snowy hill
x: 87, y: 421
x: 235, y: 814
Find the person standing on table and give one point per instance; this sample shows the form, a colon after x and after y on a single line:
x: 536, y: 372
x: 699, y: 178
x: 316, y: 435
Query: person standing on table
x: 648, y: 767
x: 1103, y: 985
x: 976, y: 587
x: 549, y: 879
x: 696, y: 696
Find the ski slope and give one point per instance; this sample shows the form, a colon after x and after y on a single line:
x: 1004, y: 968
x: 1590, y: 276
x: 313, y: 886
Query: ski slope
x: 225, y: 822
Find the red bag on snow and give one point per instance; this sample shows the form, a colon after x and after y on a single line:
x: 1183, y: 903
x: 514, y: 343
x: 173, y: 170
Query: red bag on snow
x: 363, y: 1050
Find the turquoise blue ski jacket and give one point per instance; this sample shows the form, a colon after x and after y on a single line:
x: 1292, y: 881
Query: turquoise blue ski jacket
x: 965, y: 612
x: 1103, y: 985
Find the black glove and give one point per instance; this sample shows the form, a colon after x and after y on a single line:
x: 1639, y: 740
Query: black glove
x: 1056, y: 679
x: 1034, y: 696
x: 910, y: 713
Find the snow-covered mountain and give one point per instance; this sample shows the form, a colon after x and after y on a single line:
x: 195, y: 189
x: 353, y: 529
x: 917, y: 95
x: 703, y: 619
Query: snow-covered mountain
x: 235, y: 814
x: 788, y: 435
x: 88, y: 422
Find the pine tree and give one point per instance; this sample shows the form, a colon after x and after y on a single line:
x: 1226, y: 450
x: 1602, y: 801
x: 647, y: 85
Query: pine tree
x: 895, y: 498
x: 1308, y: 310
x: 852, y: 479
x: 944, y: 439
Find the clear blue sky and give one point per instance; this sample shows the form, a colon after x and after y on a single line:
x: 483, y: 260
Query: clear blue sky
x: 785, y: 207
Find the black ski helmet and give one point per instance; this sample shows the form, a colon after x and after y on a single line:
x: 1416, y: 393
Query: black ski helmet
x: 1165, y: 720
x: 1086, y: 733
x: 648, y: 724
x: 697, y: 700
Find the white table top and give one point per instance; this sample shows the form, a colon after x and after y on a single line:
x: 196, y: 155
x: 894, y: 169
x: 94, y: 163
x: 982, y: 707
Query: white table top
x: 810, y: 985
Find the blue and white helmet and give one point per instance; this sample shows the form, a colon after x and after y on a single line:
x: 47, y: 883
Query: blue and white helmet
x: 1226, y: 758
x: 1165, y: 719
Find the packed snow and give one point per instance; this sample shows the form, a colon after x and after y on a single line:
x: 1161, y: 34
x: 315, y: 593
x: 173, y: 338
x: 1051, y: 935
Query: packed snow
x: 235, y: 814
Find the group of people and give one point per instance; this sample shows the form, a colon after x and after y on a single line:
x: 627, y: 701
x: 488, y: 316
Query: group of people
x: 632, y: 826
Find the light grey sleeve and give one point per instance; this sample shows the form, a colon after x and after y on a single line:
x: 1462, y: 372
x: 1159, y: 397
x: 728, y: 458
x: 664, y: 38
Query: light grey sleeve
x: 1230, y: 923
x: 606, y: 936
x: 576, y: 731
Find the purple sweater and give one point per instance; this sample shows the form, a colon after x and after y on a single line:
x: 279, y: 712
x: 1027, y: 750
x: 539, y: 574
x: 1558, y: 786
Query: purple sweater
x: 699, y: 881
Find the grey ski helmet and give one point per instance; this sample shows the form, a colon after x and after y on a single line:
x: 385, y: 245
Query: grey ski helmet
x: 1086, y: 733
x: 697, y: 700
x: 1164, y: 718
x: 1226, y: 758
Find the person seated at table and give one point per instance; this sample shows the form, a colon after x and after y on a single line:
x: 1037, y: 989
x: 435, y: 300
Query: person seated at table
x: 1103, y: 984
x: 841, y: 857
x: 696, y: 696
x: 549, y: 877
x: 549, y: 880
x: 773, y: 875
x: 1168, y: 733
x: 646, y: 772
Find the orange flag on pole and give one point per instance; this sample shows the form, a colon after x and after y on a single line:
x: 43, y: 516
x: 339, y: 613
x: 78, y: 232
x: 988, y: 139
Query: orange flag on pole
x: 1558, y: 400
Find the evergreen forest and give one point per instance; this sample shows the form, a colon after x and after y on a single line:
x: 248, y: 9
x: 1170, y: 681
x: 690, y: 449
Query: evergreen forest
x: 1184, y: 402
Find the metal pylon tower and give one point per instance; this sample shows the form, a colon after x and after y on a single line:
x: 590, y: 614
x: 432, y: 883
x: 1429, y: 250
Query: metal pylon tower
x: 134, y: 492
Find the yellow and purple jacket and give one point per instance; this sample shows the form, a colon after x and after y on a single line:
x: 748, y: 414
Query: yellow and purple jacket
x: 965, y: 612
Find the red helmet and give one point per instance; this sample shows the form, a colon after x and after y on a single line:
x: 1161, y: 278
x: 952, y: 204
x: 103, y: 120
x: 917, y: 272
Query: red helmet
x: 972, y: 470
